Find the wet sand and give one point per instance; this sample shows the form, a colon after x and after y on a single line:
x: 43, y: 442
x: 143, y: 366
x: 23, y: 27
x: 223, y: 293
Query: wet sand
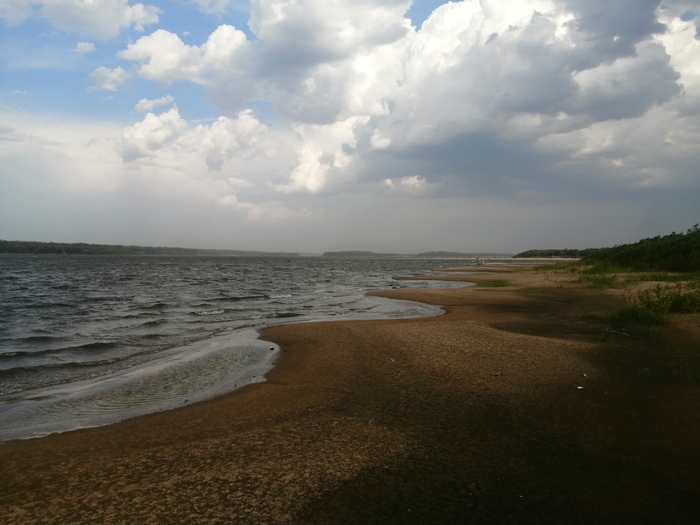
x: 507, y: 409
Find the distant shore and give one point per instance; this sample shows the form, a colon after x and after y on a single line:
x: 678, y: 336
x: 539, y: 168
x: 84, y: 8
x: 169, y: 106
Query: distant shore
x: 509, y: 408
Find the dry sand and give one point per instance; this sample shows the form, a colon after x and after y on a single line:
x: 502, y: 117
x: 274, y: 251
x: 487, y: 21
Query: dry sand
x: 507, y: 409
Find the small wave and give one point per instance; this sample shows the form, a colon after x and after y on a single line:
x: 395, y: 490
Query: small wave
x: 284, y: 315
x: 36, y: 353
x: 154, y: 306
x: 76, y: 365
x: 91, y: 346
x: 155, y: 322
x: 218, y: 311
x: 238, y: 298
x: 40, y: 339
x: 40, y: 306
x: 135, y: 316
x: 281, y: 296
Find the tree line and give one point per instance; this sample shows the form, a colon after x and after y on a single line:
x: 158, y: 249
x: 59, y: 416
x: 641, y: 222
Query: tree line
x: 675, y: 252
x: 565, y: 253
x: 81, y: 248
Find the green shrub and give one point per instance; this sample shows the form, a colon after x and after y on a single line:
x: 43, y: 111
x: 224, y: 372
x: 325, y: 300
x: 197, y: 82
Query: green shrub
x: 567, y: 267
x: 638, y: 315
x: 602, y: 269
x: 601, y: 282
x: 671, y: 277
x: 657, y: 298
x: 686, y: 302
x: 652, y: 305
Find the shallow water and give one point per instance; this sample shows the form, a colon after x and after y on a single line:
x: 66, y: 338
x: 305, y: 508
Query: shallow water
x: 89, y: 340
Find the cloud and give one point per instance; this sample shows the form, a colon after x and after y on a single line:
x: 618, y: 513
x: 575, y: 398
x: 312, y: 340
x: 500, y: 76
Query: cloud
x: 16, y: 11
x: 487, y: 98
x: 147, y: 105
x: 155, y: 132
x: 102, y: 19
x: 554, y: 103
x: 164, y: 58
x: 167, y: 138
x: 604, y: 31
x: 69, y: 180
x: 326, y: 158
x: 84, y: 48
x: 469, y: 99
x: 412, y: 185
x: 107, y: 79
x: 216, y: 7
x: 270, y: 212
x: 304, y: 34
x: 628, y: 87
x: 242, y: 136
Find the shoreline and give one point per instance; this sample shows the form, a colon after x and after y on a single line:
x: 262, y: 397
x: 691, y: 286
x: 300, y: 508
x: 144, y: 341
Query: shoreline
x: 472, y: 416
x: 224, y: 362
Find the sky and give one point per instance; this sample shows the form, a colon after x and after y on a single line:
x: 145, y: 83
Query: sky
x: 382, y: 125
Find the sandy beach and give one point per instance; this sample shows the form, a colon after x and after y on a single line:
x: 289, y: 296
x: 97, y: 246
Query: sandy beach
x: 518, y: 405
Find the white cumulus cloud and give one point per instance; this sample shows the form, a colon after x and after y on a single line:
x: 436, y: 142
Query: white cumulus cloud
x: 167, y: 138
x: 147, y: 105
x: 84, y: 48
x: 164, y: 58
x: 107, y: 79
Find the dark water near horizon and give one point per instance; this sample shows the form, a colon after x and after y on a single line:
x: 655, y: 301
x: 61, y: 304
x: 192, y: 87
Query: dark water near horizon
x: 88, y: 340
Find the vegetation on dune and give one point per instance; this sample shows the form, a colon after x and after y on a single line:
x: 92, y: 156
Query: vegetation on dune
x: 672, y: 262
x: 652, y: 305
x: 676, y: 252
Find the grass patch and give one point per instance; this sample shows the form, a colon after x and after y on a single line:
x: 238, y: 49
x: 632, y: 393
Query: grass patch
x: 494, y: 284
x: 561, y: 267
x: 672, y: 277
x: 602, y: 269
x: 651, y: 306
x: 636, y: 314
x: 601, y: 282
x: 583, y: 268
x: 600, y: 275
x: 691, y: 280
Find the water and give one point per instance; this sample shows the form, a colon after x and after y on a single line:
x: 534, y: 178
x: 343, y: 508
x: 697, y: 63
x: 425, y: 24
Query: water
x: 89, y: 340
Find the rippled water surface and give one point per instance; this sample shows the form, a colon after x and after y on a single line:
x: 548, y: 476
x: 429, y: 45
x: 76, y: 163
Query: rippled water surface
x: 86, y: 340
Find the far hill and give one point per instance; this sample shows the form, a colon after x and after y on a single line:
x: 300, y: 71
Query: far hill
x: 59, y: 248
x: 543, y: 254
x: 459, y: 255
x: 422, y: 255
